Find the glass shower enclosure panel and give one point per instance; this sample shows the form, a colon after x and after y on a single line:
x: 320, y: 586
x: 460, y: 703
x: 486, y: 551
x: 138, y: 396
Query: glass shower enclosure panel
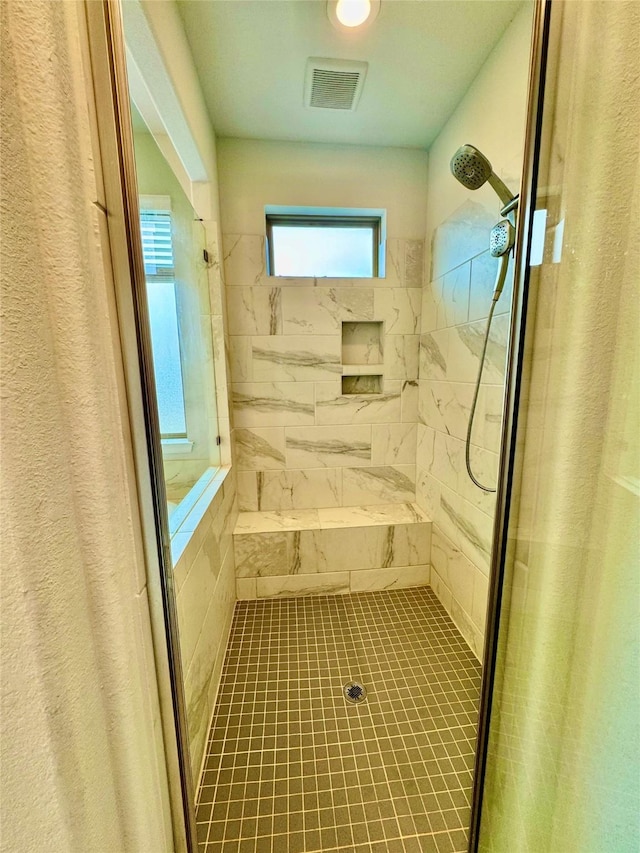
x: 179, y: 303
x: 563, y: 753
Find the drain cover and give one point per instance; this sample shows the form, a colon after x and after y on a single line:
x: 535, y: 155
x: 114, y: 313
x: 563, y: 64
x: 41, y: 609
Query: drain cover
x: 354, y: 692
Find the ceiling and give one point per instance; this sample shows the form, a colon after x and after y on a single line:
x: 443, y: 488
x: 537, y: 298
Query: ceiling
x: 423, y: 55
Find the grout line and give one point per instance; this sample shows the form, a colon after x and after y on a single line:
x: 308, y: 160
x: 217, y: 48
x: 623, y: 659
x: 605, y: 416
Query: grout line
x: 393, y: 764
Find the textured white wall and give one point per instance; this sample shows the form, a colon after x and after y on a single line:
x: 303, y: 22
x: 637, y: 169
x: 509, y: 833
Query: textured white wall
x: 82, y: 766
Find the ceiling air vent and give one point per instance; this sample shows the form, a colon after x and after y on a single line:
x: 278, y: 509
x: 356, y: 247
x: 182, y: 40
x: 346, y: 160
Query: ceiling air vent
x: 333, y: 84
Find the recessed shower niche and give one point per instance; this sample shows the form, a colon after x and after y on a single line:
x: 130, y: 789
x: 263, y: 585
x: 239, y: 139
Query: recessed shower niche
x: 362, y: 358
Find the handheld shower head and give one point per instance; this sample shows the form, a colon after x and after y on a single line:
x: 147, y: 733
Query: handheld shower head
x: 501, y: 240
x: 473, y: 170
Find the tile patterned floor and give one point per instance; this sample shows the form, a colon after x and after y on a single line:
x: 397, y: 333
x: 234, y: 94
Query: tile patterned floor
x: 293, y: 767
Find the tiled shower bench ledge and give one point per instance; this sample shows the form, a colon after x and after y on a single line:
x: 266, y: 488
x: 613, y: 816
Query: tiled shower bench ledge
x: 324, y: 551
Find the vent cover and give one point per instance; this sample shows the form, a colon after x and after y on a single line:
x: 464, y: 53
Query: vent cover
x: 333, y: 84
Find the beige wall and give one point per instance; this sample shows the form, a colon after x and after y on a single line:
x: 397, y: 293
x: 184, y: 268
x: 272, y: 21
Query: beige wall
x: 456, y: 299
x: 83, y: 764
x: 254, y: 172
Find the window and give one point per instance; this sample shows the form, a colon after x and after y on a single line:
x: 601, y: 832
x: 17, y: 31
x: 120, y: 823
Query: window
x: 318, y: 242
x: 157, y: 251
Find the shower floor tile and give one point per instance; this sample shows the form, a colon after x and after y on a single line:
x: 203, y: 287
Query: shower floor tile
x: 292, y: 766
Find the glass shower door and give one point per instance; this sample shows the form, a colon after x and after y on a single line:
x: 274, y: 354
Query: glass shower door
x: 562, y: 771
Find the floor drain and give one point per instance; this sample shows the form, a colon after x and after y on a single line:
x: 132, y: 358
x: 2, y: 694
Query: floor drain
x: 354, y: 692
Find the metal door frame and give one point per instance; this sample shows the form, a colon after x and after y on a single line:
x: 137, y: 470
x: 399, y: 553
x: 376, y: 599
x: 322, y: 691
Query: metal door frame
x: 513, y: 387
x: 107, y: 50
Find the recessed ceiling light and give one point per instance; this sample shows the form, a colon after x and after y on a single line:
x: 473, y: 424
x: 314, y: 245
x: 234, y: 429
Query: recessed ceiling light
x: 352, y: 14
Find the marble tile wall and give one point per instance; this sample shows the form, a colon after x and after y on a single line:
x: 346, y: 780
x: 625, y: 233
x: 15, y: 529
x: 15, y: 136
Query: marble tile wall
x: 298, y: 441
x: 204, y: 577
x: 455, y: 305
x: 320, y: 551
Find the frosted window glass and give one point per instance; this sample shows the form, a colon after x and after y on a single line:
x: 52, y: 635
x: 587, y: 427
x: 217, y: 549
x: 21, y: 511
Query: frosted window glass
x: 165, y: 343
x: 337, y: 252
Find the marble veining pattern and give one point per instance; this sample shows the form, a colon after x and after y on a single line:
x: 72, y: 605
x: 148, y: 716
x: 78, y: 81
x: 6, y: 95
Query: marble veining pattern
x: 330, y: 518
x: 466, y: 528
x: 335, y: 583
x: 257, y: 449
x: 266, y: 522
x: 244, y: 259
x: 313, y: 447
x: 295, y: 358
x: 324, y: 542
x: 321, y: 311
x: 254, y: 311
x: 401, y: 356
x: 414, y: 262
x: 332, y: 407
x: 263, y: 404
x: 455, y: 305
x: 296, y: 489
x: 393, y: 444
x: 400, y: 309
x: 433, y: 364
x: 291, y: 341
x: 382, y: 484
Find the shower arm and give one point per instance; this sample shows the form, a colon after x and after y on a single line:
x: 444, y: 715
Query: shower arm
x: 504, y: 193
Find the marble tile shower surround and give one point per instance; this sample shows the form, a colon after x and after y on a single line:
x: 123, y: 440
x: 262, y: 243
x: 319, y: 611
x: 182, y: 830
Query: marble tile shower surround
x: 454, y: 310
x: 205, y: 584
x: 299, y: 442
x: 333, y: 550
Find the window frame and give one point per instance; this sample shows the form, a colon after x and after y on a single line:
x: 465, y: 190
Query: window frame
x: 328, y: 218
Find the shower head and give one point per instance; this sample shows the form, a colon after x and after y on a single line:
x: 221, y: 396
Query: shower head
x: 502, y: 238
x: 473, y: 170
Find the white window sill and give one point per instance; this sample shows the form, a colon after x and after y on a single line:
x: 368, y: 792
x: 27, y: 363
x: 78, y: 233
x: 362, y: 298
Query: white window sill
x: 185, y: 521
x: 176, y: 446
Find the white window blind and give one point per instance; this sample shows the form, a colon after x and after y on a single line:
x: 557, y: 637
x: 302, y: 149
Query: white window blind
x: 159, y: 268
x: 157, y: 248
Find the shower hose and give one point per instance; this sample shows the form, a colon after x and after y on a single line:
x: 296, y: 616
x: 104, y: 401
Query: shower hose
x: 475, y: 398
